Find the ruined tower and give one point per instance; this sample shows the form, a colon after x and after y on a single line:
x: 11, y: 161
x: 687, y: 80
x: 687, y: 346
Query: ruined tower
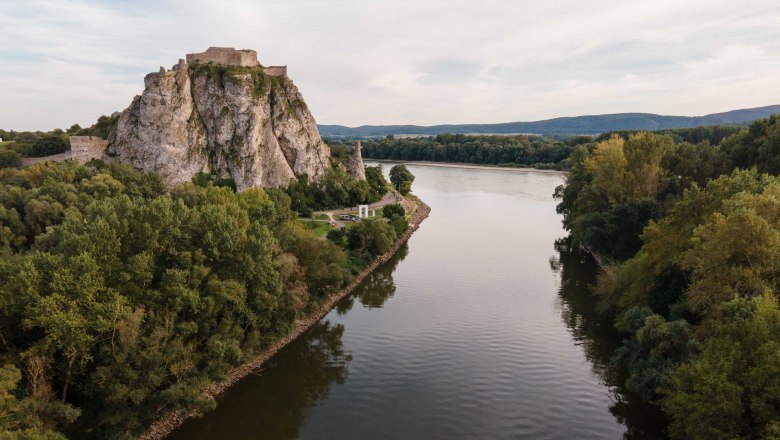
x: 355, y: 165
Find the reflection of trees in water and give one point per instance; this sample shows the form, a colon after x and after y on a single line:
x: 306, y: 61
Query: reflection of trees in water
x: 274, y: 402
x: 378, y: 287
x: 595, y: 333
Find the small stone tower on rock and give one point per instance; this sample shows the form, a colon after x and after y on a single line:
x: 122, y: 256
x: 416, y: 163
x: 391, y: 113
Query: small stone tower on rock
x: 355, y: 165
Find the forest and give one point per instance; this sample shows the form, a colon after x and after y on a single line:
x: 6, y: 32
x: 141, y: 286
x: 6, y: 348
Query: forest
x: 526, y: 151
x: 120, y: 299
x: 512, y: 151
x: 688, y: 235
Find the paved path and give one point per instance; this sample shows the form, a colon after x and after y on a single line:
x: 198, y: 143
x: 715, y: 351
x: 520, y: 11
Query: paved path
x: 333, y: 214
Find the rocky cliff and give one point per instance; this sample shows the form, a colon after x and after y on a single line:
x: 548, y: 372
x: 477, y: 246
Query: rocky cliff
x: 236, y: 122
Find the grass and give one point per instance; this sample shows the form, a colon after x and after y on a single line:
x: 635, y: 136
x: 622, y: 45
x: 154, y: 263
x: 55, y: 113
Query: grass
x: 319, y: 227
x: 6, y: 143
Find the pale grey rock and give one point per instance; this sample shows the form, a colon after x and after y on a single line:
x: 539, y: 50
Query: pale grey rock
x: 237, y: 122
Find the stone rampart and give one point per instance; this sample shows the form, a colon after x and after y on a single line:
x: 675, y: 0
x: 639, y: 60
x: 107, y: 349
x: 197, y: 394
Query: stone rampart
x: 226, y: 56
x: 275, y: 70
x: 82, y: 149
x: 85, y: 148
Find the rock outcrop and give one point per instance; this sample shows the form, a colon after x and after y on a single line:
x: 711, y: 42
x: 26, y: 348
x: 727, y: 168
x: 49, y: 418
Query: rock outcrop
x: 235, y: 121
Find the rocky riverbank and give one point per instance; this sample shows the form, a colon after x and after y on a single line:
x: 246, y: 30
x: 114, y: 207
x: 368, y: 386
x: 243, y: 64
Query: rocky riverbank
x: 169, y: 422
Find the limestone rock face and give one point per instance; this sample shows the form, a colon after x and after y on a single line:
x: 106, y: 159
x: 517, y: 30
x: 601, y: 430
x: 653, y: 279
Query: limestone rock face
x: 234, y: 121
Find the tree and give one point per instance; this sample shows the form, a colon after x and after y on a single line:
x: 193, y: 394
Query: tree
x: 401, y: 178
x: 731, y: 390
x: 737, y: 252
x: 655, y: 348
x: 48, y: 145
x: 10, y: 158
x: 376, y: 179
x: 645, y: 175
x: 393, y: 211
x: 371, y: 237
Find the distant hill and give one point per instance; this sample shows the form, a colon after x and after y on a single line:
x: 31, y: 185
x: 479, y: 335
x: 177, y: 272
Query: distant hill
x: 592, y: 124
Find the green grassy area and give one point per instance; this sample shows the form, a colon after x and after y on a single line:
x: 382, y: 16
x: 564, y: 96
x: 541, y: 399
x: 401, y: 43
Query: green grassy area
x: 319, y: 227
x: 6, y: 143
x: 322, y: 217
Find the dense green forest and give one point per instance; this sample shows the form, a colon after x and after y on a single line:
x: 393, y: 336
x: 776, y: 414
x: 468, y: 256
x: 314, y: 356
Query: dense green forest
x: 541, y: 152
x: 690, y: 237
x: 120, y: 299
x: 513, y: 151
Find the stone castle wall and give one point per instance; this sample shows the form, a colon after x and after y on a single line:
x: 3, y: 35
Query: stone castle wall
x: 225, y: 55
x: 82, y: 149
x: 218, y: 55
x: 85, y: 148
x: 275, y: 70
x: 154, y: 77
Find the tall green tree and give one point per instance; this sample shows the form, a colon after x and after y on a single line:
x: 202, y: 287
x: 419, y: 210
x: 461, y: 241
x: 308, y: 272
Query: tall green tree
x: 401, y: 178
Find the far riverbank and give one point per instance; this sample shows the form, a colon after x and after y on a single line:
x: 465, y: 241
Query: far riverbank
x: 461, y: 165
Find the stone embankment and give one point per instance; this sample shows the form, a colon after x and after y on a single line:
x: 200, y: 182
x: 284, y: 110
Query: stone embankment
x: 164, y: 426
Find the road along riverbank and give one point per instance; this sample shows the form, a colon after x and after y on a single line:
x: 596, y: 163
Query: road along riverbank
x: 169, y: 422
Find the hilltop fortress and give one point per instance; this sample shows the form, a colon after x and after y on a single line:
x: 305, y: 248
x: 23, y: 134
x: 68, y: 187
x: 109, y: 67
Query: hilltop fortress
x: 240, y: 121
x: 222, y: 56
x: 225, y: 55
x: 231, y: 57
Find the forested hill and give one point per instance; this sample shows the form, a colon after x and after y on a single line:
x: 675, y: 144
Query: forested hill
x: 592, y: 124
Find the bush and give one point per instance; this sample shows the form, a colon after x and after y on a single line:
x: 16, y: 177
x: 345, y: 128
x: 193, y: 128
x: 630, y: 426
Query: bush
x: 9, y: 159
x: 401, y: 178
x: 371, y: 237
x: 48, y: 145
x: 391, y: 212
x: 336, y: 236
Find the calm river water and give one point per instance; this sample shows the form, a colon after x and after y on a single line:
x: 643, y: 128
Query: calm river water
x: 478, y: 329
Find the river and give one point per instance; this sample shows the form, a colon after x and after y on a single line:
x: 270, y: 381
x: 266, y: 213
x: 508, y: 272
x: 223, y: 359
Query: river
x: 477, y: 329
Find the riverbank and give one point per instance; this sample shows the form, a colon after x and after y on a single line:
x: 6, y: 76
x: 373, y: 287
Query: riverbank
x: 169, y: 422
x: 461, y: 165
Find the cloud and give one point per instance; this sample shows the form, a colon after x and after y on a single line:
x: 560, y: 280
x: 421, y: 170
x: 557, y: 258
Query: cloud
x: 406, y: 61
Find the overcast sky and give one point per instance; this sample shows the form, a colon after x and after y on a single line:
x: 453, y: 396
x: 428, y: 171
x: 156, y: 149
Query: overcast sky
x: 402, y: 61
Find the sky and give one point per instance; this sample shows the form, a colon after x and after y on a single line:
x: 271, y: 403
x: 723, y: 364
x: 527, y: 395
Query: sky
x: 417, y: 62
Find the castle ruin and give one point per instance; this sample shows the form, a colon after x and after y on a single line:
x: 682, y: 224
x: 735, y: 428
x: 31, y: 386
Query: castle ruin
x: 85, y: 148
x: 82, y: 149
x: 355, y: 164
x: 226, y: 56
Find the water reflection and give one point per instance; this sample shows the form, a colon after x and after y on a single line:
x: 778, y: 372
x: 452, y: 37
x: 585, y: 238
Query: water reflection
x: 275, y: 401
x: 471, y: 337
x: 377, y: 288
x: 595, y: 333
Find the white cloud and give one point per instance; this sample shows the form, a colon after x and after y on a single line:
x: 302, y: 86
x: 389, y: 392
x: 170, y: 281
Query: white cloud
x: 405, y: 61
